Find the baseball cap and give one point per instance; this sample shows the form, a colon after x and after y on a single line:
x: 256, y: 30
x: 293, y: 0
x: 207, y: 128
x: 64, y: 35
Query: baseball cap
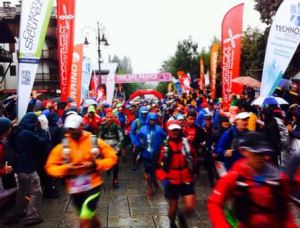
x: 255, y: 142
x: 242, y: 115
x: 172, y: 125
x: 73, y: 121
x: 91, y: 108
x: 5, y: 124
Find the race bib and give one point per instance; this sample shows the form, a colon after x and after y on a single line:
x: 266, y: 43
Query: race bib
x: 80, y: 184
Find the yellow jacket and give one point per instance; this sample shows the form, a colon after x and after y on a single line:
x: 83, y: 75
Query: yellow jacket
x: 80, y: 151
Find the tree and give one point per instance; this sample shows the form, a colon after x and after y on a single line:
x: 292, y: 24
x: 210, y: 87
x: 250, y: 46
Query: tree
x: 162, y: 87
x: 185, y: 59
x: 253, y: 52
x: 267, y: 9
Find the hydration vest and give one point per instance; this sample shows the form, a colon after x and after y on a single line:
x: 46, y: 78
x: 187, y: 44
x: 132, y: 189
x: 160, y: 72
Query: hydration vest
x: 67, y: 150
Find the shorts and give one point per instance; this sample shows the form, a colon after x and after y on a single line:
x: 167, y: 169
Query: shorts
x: 173, y: 191
x: 85, y: 203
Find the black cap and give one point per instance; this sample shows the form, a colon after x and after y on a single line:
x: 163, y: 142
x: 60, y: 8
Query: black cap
x: 5, y: 124
x: 254, y: 142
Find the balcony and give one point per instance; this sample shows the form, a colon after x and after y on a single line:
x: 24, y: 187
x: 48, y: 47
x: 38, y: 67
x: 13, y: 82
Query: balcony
x: 5, y: 56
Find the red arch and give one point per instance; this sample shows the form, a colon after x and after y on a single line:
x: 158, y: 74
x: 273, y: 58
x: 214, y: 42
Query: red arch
x: 147, y: 91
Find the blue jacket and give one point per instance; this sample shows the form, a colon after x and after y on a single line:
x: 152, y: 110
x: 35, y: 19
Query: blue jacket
x: 226, y: 142
x: 136, y: 125
x: 149, y: 139
x: 30, y: 144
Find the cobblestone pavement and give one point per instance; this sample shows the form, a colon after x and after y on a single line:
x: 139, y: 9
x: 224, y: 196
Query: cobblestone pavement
x: 127, y: 206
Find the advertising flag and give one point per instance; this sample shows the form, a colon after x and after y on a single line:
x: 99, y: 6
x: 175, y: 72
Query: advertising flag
x: 86, y: 77
x: 284, y: 38
x: 35, y: 17
x: 213, y: 69
x: 202, y: 77
x: 65, y: 37
x: 185, y: 81
x: 94, y: 85
x: 231, y: 51
x: 110, y: 81
x: 76, y: 74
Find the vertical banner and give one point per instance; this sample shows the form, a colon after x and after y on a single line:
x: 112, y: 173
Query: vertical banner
x: 86, y: 77
x: 110, y: 81
x: 185, y: 81
x: 94, y: 85
x: 202, y: 79
x: 35, y: 17
x: 213, y: 69
x: 284, y: 38
x: 76, y: 74
x: 232, y: 26
x: 65, y: 37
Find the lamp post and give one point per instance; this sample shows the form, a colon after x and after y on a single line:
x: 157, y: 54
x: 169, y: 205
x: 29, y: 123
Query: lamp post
x: 100, y: 39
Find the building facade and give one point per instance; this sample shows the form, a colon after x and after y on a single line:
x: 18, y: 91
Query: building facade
x: 46, y: 80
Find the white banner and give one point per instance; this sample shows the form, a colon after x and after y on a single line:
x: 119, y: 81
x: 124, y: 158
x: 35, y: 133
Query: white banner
x: 283, y: 41
x: 35, y: 15
x: 110, y: 81
x: 86, y: 77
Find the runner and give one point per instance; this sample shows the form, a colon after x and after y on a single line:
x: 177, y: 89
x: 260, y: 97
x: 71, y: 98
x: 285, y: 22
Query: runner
x: 256, y: 187
x: 79, y: 158
x: 175, y: 169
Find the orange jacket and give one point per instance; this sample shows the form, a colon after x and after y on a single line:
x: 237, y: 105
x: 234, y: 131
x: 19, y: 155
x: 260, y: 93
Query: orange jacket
x: 81, y: 152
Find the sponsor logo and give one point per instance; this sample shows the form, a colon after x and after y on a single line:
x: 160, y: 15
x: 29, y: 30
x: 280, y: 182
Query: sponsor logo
x: 232, y: 38
x: 295, y: 14
x: 32, y: 24
x: 74, y: 75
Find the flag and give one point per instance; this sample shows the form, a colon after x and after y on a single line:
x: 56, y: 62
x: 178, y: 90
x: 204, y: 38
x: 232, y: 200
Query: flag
x: 184, y: 81
x: 76, y: 74
x: 35, y: 16
x: 202, y: 78
x: 65, y: 41
x: 283, y: 40
x: 231, y: 51
x: 213, y: 69
x: 86, y: 78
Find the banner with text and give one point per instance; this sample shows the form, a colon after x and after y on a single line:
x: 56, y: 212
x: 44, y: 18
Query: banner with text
x: 76, y: 74
x: 34, y: 22
x: 139, y: 78
x: 232, y: 26
x: 284, y: 38
x: 110, y: 81
x: 65, y: 38
x: 213, y: 69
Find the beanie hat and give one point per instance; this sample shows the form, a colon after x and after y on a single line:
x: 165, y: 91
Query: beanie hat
x: 5, y: 124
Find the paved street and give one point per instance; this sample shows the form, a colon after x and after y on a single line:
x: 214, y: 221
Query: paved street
x: 127, y: 206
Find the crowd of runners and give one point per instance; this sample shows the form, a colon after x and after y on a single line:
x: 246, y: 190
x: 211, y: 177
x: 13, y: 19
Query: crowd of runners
x: 251, y: 155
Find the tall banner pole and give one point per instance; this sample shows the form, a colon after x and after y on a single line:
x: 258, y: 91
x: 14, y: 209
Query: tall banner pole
x: 283, y: 40
x: 35, y: 16
x: 213, y: 69
x: 65, y: 37
x: 232, y: 26
x: 76, y: 74
x: 202, y: 77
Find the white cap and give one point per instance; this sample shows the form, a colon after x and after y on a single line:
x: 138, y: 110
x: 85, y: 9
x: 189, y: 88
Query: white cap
x: 73, y: 121
x: 173, y: 127
x: 242, y: 115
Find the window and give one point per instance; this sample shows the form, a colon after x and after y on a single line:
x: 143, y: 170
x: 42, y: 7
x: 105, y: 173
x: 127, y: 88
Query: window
x: 13, y: 70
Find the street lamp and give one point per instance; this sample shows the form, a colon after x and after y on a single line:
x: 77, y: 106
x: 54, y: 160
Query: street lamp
x: 100, y: 39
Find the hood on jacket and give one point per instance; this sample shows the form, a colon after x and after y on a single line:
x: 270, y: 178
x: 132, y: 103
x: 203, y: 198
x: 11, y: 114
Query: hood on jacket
x: 52, y: 119
x: 28, y: 121
x: 152, y: 116
x: 143, y: 120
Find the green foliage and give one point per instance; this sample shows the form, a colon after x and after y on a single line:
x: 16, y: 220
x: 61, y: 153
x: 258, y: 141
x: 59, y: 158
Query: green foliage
x: 185, y: 59
x: 267, y: 9
x: 162, y: 87
x: 253, y: 52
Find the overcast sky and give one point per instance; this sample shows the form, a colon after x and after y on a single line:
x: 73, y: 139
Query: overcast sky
x: 148, y: 30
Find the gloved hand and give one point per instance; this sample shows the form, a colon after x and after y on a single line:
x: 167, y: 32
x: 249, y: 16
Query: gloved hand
x: 165, y: 183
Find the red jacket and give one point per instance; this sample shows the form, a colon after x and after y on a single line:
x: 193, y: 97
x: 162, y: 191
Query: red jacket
x: 259, y: 204
x: 177, y: 170
x: 92, y: 124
